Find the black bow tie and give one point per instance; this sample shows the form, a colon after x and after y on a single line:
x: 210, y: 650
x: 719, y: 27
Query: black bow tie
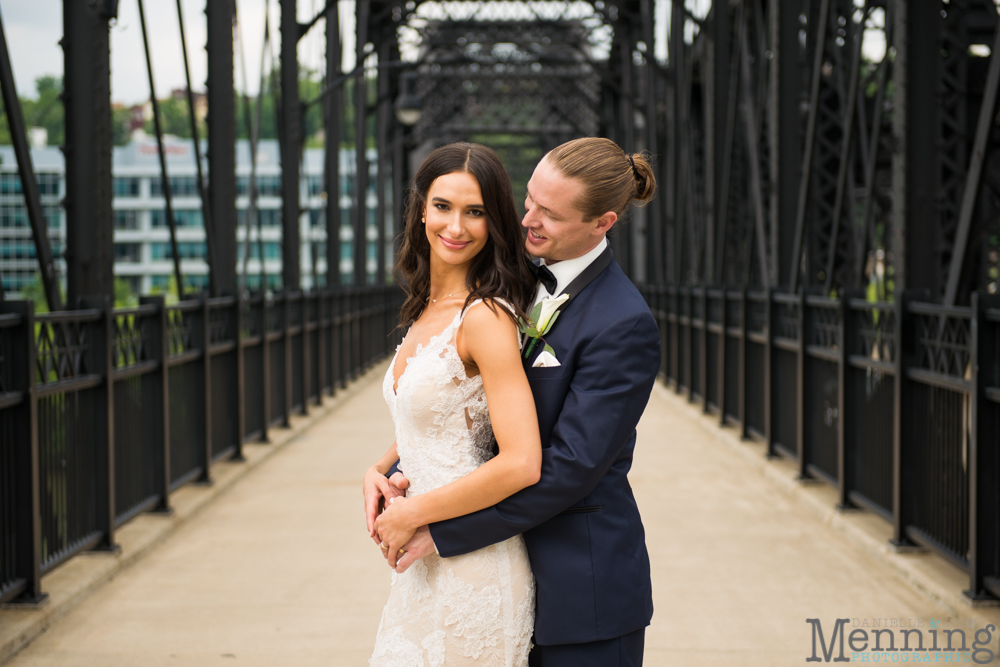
x: 544, y: 275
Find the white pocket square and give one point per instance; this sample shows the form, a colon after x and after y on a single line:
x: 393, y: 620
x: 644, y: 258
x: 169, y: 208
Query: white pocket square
x: 545, y: 360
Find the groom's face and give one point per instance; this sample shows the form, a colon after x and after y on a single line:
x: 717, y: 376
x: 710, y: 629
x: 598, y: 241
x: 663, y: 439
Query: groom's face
x: 556, y: 228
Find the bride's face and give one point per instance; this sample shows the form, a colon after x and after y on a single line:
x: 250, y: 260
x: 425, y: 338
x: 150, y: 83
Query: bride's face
x: 456, y: 219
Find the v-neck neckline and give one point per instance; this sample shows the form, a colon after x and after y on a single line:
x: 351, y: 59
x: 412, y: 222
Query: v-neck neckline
x: 421, y: 347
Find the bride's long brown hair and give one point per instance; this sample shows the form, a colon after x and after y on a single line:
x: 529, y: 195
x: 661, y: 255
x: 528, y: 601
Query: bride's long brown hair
x: 501, y: 269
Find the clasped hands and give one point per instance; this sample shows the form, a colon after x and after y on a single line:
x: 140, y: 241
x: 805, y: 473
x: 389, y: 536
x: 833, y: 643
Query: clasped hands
x: 390, y: 525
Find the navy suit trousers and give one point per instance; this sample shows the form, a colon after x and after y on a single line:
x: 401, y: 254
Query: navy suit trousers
x: 624, y: 651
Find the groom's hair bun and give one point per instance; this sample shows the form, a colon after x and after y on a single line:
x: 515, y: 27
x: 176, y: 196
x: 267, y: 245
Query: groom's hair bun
x: 612, y: 179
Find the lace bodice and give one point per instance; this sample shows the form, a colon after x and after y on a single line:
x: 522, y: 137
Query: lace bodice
x: 439, y: 412
x: 476, y: 609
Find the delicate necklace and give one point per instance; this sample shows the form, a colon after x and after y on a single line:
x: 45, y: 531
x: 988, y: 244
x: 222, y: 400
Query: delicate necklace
x: 448, y: 296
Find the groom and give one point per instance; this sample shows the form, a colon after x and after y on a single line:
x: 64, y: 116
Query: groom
x: 580, y: 522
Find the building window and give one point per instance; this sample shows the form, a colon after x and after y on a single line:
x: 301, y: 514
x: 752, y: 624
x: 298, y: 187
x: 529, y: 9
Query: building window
x: 315, y: 185
x: 268, y: 217
x: 13, y: 216
x: 17, y: 248
x: 128, y: 252
x: 183, y: 218
x: 267, y: 186
x: 180, y: 186
x: 125, y: 186
x: 272, y: 250
x: 187, y: 250
x: 48, y: 183
x: 198, y: 281
x: 127, y: 220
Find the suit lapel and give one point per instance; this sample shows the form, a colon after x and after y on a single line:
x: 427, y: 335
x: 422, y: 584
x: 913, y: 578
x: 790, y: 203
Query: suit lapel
x: 586, y: 277
x: 595, y: 269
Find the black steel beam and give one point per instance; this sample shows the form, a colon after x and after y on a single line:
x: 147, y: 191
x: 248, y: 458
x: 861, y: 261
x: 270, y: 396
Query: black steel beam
x: 29, y: 185
x: 846, y: 144
x: 360, y: 243
x: 985, y: 124
x: 382, y: 120
x: 786, y: 138
x: 654, y: 223
x: 291, y: 141
x: 331, y: 160
x: 87, y: 100
x: 810, y: 141
x: 718, y: 90
x: 164, y: 176
x: 220, y: 210
x: 916, y: 172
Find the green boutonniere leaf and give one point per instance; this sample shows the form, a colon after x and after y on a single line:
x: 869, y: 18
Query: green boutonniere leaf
x: 535, y: 312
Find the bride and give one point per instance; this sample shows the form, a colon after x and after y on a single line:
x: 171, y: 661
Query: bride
x: 458, y: 393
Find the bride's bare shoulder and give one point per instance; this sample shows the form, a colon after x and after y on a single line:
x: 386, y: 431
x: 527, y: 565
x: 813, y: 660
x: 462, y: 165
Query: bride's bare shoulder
x: 488, y: 325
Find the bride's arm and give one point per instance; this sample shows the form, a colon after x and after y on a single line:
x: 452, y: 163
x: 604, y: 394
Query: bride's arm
x: 489, y: 340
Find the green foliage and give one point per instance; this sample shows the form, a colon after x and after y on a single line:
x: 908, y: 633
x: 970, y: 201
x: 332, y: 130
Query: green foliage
x: 175, y: 119
x: 46, y: 110
x: 120, y: 126
x: 310, y: 87
x: 124, y: 298
x: 34, y: 291
x: 170, y: 293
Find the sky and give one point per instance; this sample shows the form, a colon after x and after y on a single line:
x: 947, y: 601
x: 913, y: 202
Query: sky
x: 34, y: 27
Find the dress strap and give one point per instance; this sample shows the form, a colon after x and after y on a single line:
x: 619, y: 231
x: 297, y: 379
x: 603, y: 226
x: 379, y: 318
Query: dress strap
x: 502, y: 302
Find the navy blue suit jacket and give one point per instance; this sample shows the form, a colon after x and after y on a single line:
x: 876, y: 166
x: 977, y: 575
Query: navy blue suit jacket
x: 580, y: 522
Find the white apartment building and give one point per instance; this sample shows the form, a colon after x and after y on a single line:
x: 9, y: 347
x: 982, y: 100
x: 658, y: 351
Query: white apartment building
x: 143, y: 254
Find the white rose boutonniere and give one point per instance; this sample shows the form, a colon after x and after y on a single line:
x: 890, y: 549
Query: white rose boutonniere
x: 540, y: 321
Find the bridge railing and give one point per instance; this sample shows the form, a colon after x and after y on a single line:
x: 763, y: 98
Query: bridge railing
x: 105, y: 412
x: 894, y: 404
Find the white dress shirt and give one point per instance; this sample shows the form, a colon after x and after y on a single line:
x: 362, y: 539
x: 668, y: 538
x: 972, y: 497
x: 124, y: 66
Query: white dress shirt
x: 568, y: 270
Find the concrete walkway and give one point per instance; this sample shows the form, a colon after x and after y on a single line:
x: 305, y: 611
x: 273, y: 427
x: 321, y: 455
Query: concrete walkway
x: 279, y: 570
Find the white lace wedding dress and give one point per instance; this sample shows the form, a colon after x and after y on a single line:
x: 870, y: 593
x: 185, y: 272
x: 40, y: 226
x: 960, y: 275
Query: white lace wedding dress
x: 476, y: 609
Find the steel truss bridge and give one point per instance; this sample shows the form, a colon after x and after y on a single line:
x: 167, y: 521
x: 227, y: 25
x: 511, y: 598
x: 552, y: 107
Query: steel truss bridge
x: 822, y: 258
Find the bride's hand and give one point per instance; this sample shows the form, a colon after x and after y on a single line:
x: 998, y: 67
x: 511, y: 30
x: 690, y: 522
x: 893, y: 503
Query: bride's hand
x: 376, y: 490
x: 394, y: 527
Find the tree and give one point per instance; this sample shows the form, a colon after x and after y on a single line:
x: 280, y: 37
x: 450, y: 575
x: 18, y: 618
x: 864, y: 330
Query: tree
x: 46, y: 110
x: 175, y: 119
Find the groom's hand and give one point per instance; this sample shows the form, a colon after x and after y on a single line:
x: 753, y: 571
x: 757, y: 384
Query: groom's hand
x: 420, y: 545
x: 378, y: 490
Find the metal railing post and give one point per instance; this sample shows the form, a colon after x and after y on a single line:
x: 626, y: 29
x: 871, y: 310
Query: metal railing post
x: 742, y: 395
x: 321, y: 300
x: 722, y: 356
x: 241, y: 386
x: 904, y: 436
x: 685, y: 295
x: 846, y: 419
x: 286, y: 350
x: 802, y: 384
x: 26, y: 503
x: 101, y: 336
x: 703, y: 350
x: 984, y: 457
x: 769, y: 355
x: 304, y: 301
x: 201, y: 337
x: 263, y: 324
x: 158, y: 349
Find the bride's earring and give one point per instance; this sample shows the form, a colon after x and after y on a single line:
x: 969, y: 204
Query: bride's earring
x: 423, y: 220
